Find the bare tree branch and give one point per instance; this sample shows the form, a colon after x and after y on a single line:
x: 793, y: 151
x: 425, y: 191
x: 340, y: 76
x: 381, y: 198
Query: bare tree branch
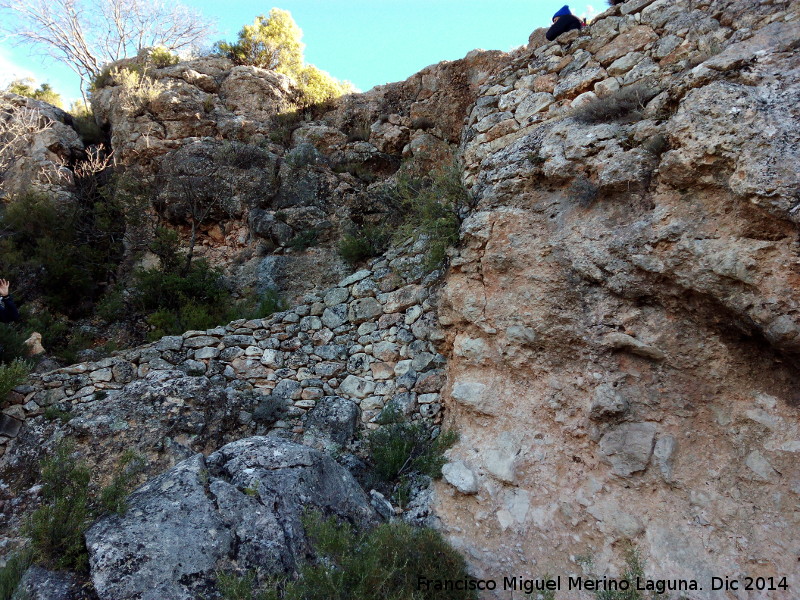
x: 87, y: 34
x: 18, y: 125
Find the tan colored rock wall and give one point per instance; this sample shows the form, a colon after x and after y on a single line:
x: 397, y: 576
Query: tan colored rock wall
x: 622, y: 316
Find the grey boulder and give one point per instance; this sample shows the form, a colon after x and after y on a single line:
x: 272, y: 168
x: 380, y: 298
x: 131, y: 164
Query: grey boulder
x: 241, y: 505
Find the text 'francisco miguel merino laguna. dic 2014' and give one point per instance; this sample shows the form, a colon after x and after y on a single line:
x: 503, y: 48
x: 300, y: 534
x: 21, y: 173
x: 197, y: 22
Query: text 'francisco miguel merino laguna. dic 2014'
x: 576, y: 583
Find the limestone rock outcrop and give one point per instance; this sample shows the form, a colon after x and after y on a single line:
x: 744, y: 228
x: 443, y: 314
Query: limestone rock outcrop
x: 240, y: 506
x: 622, y: 316
x: 42, y: 146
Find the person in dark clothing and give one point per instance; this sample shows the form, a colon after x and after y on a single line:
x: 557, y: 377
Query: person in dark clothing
x: 563, y: 21
x: 8, y: 310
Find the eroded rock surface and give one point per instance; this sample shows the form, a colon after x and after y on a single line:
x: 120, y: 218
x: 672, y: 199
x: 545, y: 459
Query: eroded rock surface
x: 239, y: 507
x: 622, y: 315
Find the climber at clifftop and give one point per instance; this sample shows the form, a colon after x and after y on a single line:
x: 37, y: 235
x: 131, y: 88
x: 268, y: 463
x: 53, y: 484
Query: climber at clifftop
x: 563, y: 21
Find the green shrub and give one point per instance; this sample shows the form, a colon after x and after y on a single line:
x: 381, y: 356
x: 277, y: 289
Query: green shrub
x: 68, y: 507
x: 304, y: 240
x: 270, y: 303
x: 13, y: 374
x: 159, y: 288
x: 45, y: 93
x: 56, y: 528
x: 399, y: 448
x: 113, y: 497
x: 384, y: 563
x: 70, y: 247
x: 273, y: 42
x: 84, y: 123
x: 138, y: 89
x: 160, y: 57
x: 12, y: 572
x: 238, y: 587
x: 430, y: 207
x: 634, y: 569
x: 626, y: 104
x: 51, y: 413
x: 366, y: 242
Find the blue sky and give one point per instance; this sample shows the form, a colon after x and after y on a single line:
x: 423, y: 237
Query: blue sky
x: 368, y: 42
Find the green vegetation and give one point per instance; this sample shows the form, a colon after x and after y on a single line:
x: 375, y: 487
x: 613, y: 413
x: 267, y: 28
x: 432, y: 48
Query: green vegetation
x: 59, y: 255
x: 12, y: 342
x: 430, y: 205
x: 304, y: 240
x: 161, y: 57
x: 51, y: 413
x: 72, y: 247
x: 384, y: 563
x: 113, y: 497
x: 68, y: 507
x: 56, y: 528
x: 398, y: 448
x: 273, y: 42
x: 177, y: 296
x: 12, y: 572
x: 363, y: 243
x: 45, y: 93
x: 626, y: 104
x: 84, y: 123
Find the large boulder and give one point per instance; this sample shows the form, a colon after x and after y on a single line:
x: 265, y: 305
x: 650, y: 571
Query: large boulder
x: 242, y: 505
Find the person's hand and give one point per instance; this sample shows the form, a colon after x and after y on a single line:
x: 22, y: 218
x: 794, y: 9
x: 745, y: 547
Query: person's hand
x: 3, y: 287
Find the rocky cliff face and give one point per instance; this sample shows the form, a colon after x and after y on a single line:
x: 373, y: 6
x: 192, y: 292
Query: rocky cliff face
x: 278, y: 177
x: 618, y: 331
x: 622, y: 316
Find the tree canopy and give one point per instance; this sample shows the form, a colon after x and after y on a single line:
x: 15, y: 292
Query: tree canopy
x: 45, y: 93
x: 273, y: 43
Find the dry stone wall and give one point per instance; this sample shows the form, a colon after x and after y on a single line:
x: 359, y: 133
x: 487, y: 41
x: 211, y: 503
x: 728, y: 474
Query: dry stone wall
x: 372, y: 340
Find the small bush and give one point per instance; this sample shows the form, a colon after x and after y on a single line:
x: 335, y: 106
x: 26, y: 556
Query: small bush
x: 634, y: 569
x: 13, y: 374
x: 12, y: 572
x: 56, y: 528
x: 12, y: 342
x: 270, y: 303
x: 384, y: 563
x: 626, y: 104
x: 84, y: 123
x: 237, y: 587
x: 138, y: 89
x: 45, y: 93
x: 68, y: 507
x: 398, y: 448
x: 273, y: 42
x: 51, y: 413
x: 430, y: 207
x: 160, y: 57
x: 113, y: 497
x: 366, y: 242
x: 304, y: 240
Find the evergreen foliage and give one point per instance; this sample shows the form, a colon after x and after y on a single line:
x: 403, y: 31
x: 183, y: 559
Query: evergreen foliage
x: 45, y: 92
x: 273, y: 43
